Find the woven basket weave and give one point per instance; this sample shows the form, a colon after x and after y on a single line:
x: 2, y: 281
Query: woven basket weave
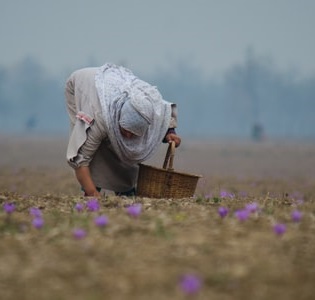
x: 165, y: 183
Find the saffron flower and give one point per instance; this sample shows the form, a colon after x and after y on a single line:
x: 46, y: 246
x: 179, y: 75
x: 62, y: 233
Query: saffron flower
x: 134, y: 210
x: 38, y: 222
x: 79, y: 207
x: 299, y: 197
x: 190, y: 284
x: 208, y: 196
x: 101, y: 221
x: 243, y: 194
x: 35, y: 212
x: 223, y: 211
x: 242, y: 215
x: 79, y: 233
x: 279, y: 229
x: 296, y: 216
x: 252, y: 207
x: 93, y: 205
x: 299, y: 201
x: 226, y: 194
x: 9, y: 208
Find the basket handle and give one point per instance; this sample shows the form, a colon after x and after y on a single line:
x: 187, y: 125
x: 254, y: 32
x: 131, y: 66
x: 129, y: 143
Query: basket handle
x: 169, y: 157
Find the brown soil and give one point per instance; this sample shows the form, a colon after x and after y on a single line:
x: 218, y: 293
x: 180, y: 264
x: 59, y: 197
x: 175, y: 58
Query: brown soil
x: 144, y: 258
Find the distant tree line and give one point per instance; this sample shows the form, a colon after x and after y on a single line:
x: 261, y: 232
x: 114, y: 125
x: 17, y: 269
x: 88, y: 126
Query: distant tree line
x: 31, y: 100
x: 253, y: 96
x: 253, y: 100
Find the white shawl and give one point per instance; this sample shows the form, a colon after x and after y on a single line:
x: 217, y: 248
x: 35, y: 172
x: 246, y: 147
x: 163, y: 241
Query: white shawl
x: 115, y: 85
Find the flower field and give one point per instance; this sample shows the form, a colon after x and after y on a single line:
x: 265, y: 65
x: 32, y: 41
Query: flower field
x: 248, y: 233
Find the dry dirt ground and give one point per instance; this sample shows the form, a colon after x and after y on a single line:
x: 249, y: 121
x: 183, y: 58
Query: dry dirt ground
x: 146, y: 257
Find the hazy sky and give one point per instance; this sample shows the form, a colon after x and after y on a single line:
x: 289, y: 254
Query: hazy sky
x: 149, y: 35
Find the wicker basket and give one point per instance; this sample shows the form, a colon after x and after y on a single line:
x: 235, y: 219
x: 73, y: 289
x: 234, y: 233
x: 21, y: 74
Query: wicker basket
x: 165, y: 183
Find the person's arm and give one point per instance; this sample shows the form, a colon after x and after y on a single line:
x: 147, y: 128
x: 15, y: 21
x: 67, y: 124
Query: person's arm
x: 86, y: 143
x: 84, y: 177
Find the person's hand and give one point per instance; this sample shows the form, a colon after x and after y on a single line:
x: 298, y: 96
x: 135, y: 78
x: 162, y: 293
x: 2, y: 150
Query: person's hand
x: 95, y: 194
x: 92, y: 193
x: 172, y: 137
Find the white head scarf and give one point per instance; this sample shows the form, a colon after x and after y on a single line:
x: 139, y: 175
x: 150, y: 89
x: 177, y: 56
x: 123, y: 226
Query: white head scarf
x: 136, y: 104
x: 131, y: 120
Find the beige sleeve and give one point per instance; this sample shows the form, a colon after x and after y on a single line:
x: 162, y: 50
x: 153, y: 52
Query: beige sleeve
x: 85, y: 142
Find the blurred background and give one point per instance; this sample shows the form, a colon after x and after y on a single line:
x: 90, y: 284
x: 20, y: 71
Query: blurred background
x: 240, y: 69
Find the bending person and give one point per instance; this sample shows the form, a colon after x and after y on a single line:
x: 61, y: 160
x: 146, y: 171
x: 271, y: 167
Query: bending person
x: 117, y: 121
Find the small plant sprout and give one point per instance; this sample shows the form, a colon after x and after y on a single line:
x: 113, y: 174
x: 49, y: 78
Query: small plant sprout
x: 134, y: 210
x: 38, y: 222
x: 79, y: 233
x: 296, y: 216
x: 92, y: 205
x: 190, y: 284
x: 9, y: 208
x: 223, y: 211
x: 279, y: 229
x: 101, y: 221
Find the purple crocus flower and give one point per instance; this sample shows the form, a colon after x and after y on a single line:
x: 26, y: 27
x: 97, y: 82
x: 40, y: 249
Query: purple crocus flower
x: 190, y: 284
x: 226, y: 194
x: 243, y: 194
x: 79, y: 233
x: 223, y: 211
x: 299, y: 201
x: 242, y: 215
x: 208, y: 196
x: 35, y: 212
x: 9, y: 208
x: 93, y: 205
x: 279, y: 229
x: 101, y: 221
x: 252, y: 207
x: 134, y: 210
x: 79, y: 207
x: 38, y: 222
x: 297, y: 195
x: 296, y: 216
